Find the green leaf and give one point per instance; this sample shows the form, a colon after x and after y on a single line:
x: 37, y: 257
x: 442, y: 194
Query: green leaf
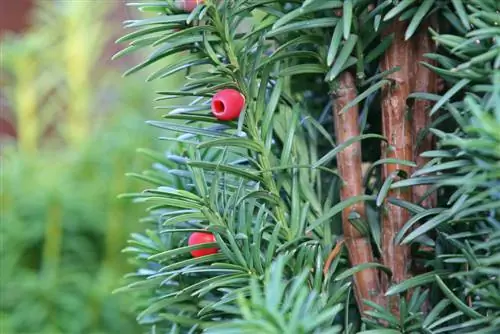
x: 415, y: 281
x: 386, y: 186
x: 182, y: 218
x: 330, y: 155
x: 435, y: 312
x: 181, y: 319
x: 180, y: 251
x: 413, y: 220
x: 337, y: 209
x: 303, y: 25
x: 380, y: 331
x: 401, y: 6
x: 462, y: 14
x: 126, y: 51
x: 379, y: 49
x: 347, y: 18
x: 189, y: 129
x: 442, y: 167
x: 184, y: 33
x: 390, y: 161
x: 446, y: 318
x: 376, y: 22
x: 480, y: 59
x: 298, y: 54
x: 381, y: 75
x: 413, y: 208
x: 233, y: 142
x: 163, y: 19
x: 361, y: 267
x: 271, y: 108
x: 226, y: 168
x: 449, y: 94
x: 427, y: 226
x: 484, y: 208
x: 302, y: 69
x: 334, y: 44
x: 289, y: 140
x: 265, y: 195
x: 185, y: 63
x: 342, y: 58
x: 456, y: 301
x: 140, y: 33
x: 422, y: 10
x: 173, y: 192
x: 359, y: 223
x: 304, y: 10
x: 365, y: 94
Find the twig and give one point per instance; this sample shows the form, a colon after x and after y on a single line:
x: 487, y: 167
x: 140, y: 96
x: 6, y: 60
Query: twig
x: 333, y: 254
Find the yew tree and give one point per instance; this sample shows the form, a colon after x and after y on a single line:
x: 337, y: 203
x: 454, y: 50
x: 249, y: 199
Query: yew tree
x: 329, y: 167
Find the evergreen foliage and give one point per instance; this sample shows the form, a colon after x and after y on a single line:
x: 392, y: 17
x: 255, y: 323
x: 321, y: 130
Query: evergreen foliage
x: 268, y: 185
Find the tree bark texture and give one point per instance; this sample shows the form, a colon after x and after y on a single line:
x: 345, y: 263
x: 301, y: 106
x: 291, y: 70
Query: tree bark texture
x: 396, y: 127
x: 367, y: 285
x: 425, y: 81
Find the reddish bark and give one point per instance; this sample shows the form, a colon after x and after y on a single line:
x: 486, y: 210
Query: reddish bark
x: 366, y: 282
x: 425, y: 81
x: 333, y: 254
x: 397, y: 129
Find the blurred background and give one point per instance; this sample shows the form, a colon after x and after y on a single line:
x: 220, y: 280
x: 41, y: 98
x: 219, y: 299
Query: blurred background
x: 69, y: 129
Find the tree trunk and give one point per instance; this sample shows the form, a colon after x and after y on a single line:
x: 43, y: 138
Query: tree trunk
x: 397, y: 129
x: 425, y: 81
x: 366, y: 282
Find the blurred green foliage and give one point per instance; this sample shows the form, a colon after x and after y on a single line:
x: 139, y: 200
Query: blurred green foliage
x: 62, y: 231
x: 62, y: 225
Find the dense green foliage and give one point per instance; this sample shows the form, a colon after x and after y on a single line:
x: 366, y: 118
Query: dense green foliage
x: 62, y: 228
x: 267, y: 187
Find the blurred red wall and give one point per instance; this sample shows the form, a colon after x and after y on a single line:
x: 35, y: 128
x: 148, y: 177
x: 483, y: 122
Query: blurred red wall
x: 14, y: 14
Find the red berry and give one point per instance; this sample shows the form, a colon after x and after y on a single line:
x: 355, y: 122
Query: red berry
x: 227, y: 104
x: 201, y: 238
x: 189, y: 5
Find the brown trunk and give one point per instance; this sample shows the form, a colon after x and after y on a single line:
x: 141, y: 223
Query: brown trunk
x: 425, y: 81
x: 397, y: 129
x: 366, y: 282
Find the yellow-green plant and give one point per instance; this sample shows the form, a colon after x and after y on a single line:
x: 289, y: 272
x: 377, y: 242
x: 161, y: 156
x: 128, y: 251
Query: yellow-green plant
x: 62, y: 226
x: 53, y: 71
x: 83, y: 35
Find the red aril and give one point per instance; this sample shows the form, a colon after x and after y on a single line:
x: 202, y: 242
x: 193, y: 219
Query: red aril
x: 198, y: 238
x: 227, y: 104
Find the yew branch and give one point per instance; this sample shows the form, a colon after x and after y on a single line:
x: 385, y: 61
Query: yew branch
x: 366, y: 282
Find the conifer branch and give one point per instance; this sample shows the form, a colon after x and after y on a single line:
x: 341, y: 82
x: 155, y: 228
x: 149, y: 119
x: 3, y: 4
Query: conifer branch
x: 253, y: 134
